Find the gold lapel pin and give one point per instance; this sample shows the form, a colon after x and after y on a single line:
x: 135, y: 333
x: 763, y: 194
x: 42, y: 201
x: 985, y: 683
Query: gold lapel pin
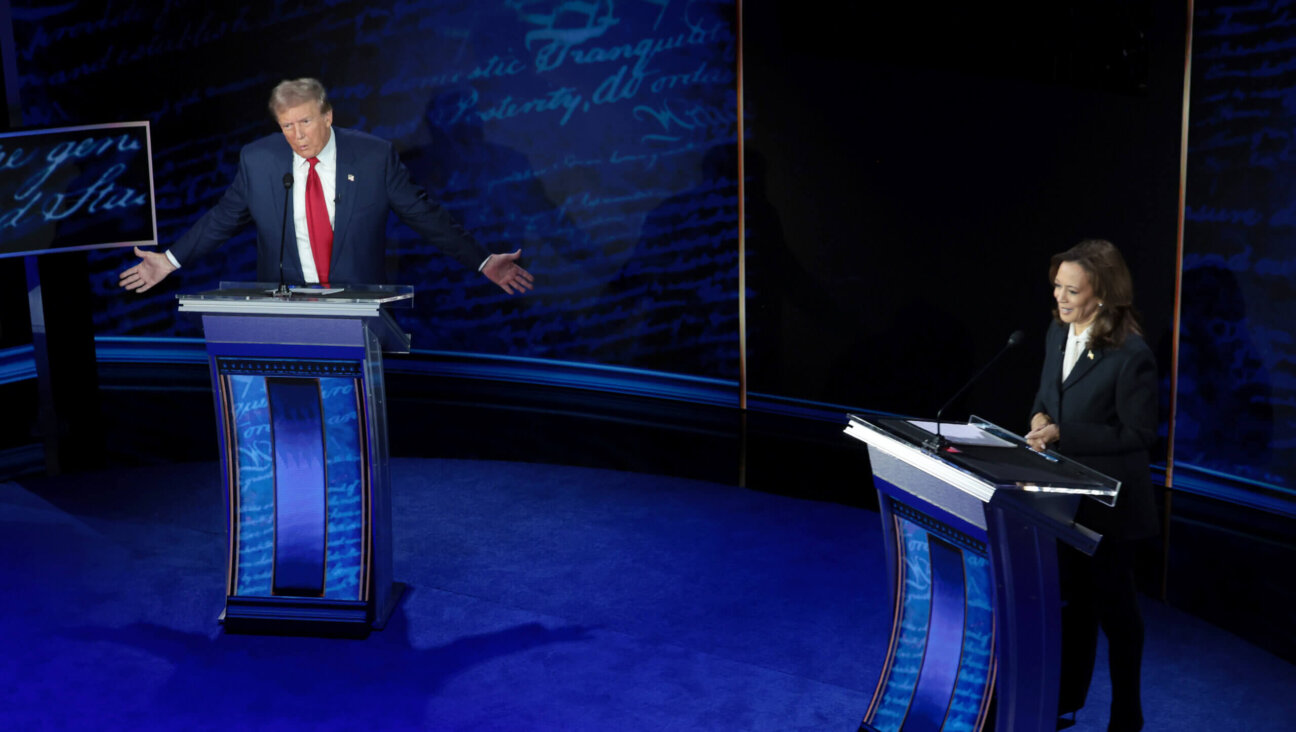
x: 1091, y: 355
x: 352, y: 179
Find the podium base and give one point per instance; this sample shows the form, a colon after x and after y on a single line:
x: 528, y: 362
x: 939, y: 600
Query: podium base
x: 307, y: 616
x: 383, y: 614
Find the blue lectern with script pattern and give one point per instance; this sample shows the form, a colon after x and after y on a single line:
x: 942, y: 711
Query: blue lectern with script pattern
x: 971, y: 532
x: 301, y: 421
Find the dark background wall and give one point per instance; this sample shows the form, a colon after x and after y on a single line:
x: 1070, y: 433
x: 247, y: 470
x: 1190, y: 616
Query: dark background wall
x: 925, y: 163
x: 1236, y: 388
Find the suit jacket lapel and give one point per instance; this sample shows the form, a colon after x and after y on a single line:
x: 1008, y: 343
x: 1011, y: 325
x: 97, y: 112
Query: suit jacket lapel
x: 1056, y: 351
x: 343, y: 196
x: 1084, y: 365
x: 291, y: 259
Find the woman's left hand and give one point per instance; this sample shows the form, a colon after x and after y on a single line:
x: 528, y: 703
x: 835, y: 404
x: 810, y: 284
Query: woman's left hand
x: 1040, y: 439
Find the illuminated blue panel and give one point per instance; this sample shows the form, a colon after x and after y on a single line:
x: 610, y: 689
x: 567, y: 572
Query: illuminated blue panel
x: 940, y: 675
x: 254, y: 559
x: 911, y: 639
x: 17, y: 364
x: 334, y: 516
x: 940, y: 664
x: 300, y: 479
x: 346, y: 465
x: 976, y: 672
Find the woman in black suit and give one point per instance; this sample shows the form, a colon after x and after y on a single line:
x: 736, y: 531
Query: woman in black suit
x: 1097, y: 404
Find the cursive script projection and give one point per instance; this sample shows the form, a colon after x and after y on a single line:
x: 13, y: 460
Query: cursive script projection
x: 75, y: 188
x: 586, y: 133
x: 1236, y: 385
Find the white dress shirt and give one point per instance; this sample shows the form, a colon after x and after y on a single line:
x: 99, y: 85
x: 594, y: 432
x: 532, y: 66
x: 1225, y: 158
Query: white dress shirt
x: 1076, y: 345
x: 326, y: 169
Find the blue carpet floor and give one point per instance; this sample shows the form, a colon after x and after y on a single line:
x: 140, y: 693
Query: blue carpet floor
x: 541, y: 598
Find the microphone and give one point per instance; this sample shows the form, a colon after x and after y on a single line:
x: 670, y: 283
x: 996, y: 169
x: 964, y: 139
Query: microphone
x: 938, y: 443
x: 283, y: 290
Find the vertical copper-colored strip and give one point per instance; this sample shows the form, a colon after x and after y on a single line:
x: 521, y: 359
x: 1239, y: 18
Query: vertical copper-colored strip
x: 366, y: 492
x: 742, y: 225
x: 742, y: 254
x: 226, y: 421
x: 897, y: 607
x: 1178, y: 302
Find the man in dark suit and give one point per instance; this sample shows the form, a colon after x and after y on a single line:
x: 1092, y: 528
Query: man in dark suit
x: 342, y: 184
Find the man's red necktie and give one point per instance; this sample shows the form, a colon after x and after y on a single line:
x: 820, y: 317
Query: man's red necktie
x: 317, y: 223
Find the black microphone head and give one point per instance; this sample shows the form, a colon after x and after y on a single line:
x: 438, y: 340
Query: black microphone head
x: 288, y: 180
x: 1016, y: 337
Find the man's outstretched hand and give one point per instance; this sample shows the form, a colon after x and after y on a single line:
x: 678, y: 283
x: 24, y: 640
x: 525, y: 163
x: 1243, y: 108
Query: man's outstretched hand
x: 152, y: 269
x: 503, y: 270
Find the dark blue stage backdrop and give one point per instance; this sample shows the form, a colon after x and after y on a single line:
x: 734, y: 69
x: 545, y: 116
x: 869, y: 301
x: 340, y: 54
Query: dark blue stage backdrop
x: 597, y: 136
x: 1237, y: 388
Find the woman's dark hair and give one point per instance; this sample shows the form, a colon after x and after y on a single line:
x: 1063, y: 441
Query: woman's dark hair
x: 1112, y: 285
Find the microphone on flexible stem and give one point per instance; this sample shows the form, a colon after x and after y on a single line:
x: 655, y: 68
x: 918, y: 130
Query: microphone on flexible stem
x: 283, y: 290
x: 938, y: 443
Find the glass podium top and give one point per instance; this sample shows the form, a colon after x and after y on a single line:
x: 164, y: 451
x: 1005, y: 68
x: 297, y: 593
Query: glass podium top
x: 240, y: 308
x: 986, y: 454
x: 264, y: 298
x: 390, y: 295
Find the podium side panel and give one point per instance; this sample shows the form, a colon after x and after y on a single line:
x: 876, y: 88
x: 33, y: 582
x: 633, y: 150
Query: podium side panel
x: 225, y: 442
x: 939, y: 673
x: 346, y: 498
x: 252, y: 489
x: 382, y: 585
x: 1027, y: 597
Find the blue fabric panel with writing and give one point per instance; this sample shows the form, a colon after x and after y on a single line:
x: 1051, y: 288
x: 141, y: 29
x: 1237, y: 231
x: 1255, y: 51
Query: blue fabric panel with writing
x: 1236, y: 351
x: 975, y: 683
x: 910, y: 643
x: 940, y: 671
x: 254, y: 553
x: 346, y: 487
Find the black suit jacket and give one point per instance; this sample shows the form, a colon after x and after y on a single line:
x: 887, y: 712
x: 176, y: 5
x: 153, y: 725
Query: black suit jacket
x: 1106, y: 412
x: 371, y: 182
